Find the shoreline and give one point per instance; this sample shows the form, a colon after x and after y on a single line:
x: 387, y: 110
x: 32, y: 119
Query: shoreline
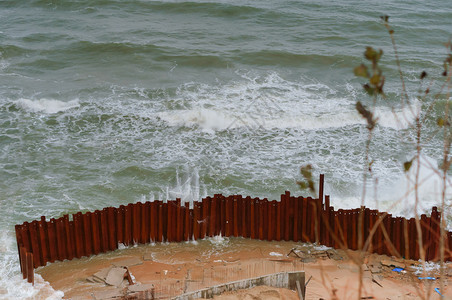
x: 188, y: 266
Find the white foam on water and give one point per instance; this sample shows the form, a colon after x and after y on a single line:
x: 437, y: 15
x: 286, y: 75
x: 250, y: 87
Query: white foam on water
x: 47, y: 106
x: 275, y: 254
x: 12, y: 285
x: 399, y: 196
x: 212, y: 120
x: 271, y: 102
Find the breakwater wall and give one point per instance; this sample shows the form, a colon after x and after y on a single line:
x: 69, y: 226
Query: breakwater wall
x: 292, y: 218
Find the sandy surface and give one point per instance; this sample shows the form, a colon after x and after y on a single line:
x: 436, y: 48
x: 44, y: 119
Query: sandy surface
x: 174, y: 268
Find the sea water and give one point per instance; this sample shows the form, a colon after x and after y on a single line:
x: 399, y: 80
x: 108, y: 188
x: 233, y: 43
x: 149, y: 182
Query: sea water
x: 108, y: 102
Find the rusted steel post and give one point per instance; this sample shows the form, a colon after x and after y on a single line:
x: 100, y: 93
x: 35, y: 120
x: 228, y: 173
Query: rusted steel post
x: 128, y: 224
x: 87, y: 233
x: 333, y: 228
x: 304, y: 220
x: 68, y: 238
x: 271, y: 220
x: 246, y: 220
x: 35, y: 243
x: 23, y: 262
x: 136, y: 221
x: 213, y: 227
x: 17, y: 229
x: 153, y: 222
x: 221, y: 221
x: 61, y: 240
x: 103, y: 230
x: 196, y: 219
x: 228, y: 218
x: 288, y: 227
x: 278, y: 221
x: 25, y: 232
x: 252, y: 219
x: 78, y: 234
x: 235, y: 217
x: 265, y: 209
x: 388, y: 227
x: 159, y: 210
x: 295, y: 219
x: 327, y: 202
x: 366, y: 225
x: 120, y: 216
x: 435, y: 235
x: 321, y: 185
x: 425, y: 226
x: 285, y: 216
x: 166, y: 211
x: 318, y: 231
x: 95, y: 232
x: 240, y: 214
x: 312, y: 212
x: 44, y: 238
x: 260, y: 220
x: 205, y: 217
x: 353, y: 228
x: 144, y: 218
x: 370, y: 227
x: 450, y: 245
x: 179, y: 221
x: 30, y: 269
x: 187, y: 222
x: 112, y: 225
x: 170, y: 221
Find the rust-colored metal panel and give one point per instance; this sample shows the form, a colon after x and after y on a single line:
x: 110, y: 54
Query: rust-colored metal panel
x: 68, y: 229
x: 228, y: 218
x: 278, y: 221
x: 144, y: 218
x: 95, y: 231
x: 264, y: 225
x: 120, y: 217
x: 78, y: 234
x: 44, y: 240
x: 111, y: 220
x: 252, y: 219
x: 161, y: 217
x: 235, y: 214
x: 305, y: 227
x: 128, y: 224
x: 35, y: 243
x: 213, y: 214
x: 179, y: 221
x: 153, y: 221
x: 30, y: 270
x: 103, y: 230
x: 136, y: 222
x: 23, y: 262
x: 87, y: 233
x: 295, y: 219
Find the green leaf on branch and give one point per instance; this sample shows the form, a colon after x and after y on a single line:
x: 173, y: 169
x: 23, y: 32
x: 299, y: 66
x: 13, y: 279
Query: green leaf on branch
x: 308, y: 182
x: 371, y: 122
x: 375, y: 80
x: 362, y: 71
x: 370, y: 90
x: 423, y: 75
x: 372, y: 54
x: 407, y: 165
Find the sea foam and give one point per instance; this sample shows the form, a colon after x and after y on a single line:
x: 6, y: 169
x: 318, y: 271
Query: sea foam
x: 48, y: 106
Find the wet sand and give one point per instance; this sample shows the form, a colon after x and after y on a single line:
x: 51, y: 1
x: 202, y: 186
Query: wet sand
x: 175, y: 268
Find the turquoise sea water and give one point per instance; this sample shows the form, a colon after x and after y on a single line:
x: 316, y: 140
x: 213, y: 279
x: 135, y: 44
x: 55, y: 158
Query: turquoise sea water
x: 104, y: 103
